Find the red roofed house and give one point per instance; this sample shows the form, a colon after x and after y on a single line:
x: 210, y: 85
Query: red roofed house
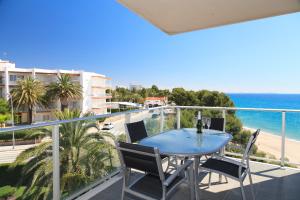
x: 155, y: 101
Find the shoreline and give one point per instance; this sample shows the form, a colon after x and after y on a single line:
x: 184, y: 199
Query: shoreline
x: 271, y: 145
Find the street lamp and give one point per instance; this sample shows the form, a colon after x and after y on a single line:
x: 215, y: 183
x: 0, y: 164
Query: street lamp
x: 12, y: 119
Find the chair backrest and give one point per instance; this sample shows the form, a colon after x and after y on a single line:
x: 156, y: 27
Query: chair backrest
x: 136, y: 131
x: 217, y: 124
x: 143, y: 158
x: 250, y: 145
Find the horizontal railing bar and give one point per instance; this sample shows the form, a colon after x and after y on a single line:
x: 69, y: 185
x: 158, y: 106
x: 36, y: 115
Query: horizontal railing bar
x: 58, y: 122
x: 236, y: 108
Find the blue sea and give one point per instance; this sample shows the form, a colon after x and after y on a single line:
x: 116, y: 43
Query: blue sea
x: 269, y: 121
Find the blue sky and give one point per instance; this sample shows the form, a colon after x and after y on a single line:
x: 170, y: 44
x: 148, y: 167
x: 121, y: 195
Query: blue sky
x: 105, y: 37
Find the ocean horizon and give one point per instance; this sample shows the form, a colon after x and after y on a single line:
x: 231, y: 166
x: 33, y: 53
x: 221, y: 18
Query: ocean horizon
x: 269, y: 121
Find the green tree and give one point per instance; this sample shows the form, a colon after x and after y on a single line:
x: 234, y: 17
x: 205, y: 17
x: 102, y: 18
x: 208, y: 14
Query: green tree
x: 64, y: 89
x: 187, y: 118
x: 28, y: 93
x: 4, y: 107
x: 4, y: 112
x: 85, y: 155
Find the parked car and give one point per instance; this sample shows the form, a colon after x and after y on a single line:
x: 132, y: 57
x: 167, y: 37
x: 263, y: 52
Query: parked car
x: 108, y: 126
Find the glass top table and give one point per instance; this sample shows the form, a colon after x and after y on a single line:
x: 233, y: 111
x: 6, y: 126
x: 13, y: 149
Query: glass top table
x: 187, y: 142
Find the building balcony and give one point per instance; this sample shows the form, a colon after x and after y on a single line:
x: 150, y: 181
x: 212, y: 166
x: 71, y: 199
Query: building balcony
x: 107, y: 96
x: 269, y: 181
x: 100, y: 173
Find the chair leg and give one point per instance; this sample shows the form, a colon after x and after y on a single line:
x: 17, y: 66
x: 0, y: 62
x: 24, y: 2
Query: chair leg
x: 251, y: 185
x: 164, y: 196
x: 123, y: 189
x: 242, y: 190
x: 209, y: 179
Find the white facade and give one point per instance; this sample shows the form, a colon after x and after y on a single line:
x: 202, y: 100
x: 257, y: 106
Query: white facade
x: 94, y: 86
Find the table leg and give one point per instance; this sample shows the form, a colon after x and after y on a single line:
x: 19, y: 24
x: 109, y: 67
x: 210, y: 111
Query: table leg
x: 196, y: 167
x: 221, y: 153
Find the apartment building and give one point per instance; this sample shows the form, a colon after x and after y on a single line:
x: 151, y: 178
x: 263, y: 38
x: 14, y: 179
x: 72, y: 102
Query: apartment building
x: 94, y: 98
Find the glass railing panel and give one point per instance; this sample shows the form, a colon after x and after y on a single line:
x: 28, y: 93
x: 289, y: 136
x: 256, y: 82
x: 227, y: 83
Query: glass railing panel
x: 88, y: 153
x: 152, y: 119
x: 26, y: 168
x: 268, y: 144
x: 170, y: 119
x: 292, y: 139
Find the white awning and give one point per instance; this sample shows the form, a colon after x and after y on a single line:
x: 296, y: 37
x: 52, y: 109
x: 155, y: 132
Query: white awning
x: 177, y: 16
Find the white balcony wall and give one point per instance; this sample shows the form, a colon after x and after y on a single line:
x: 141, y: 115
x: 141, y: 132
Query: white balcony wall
x: 99, y: 103
x: 98, y: 92
x: 99, y: 82
x: 46, y: 79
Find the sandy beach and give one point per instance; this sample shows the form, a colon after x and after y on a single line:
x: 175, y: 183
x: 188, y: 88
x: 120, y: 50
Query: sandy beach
x: 271, y: 144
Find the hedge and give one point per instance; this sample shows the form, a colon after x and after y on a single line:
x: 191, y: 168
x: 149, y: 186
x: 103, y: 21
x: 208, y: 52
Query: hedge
x: 12, y: 176
x: 7, y: 191
x: 7, y: 136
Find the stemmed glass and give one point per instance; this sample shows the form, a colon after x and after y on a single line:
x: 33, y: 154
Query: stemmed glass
x: 208, y: 122
x: 204, y: 121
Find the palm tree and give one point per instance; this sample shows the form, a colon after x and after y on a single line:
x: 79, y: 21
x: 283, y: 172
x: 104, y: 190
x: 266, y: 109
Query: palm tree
x: 64, y: 89
x: 85, y: 155
x: 28, y: 93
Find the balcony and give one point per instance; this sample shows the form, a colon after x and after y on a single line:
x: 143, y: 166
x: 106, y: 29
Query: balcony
x: 99, y: 167
x: 270, y: 182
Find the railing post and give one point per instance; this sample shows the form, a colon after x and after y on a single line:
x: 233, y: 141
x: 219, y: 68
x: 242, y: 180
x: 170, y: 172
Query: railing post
x: 224, y: 116
x: 161, y: 119
x: 283, y: 126
x: 178, y: 117
x: 56, y: 163
x: 127, y: 120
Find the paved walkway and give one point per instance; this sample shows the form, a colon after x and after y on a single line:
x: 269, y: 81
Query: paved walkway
x: 9, y: 155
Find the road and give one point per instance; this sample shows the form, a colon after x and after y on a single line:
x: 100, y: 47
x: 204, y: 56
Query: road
x: 119, y: 127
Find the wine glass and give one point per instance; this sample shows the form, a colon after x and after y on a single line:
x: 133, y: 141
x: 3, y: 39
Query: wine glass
x: 204, y: 120
x: 208, y: 122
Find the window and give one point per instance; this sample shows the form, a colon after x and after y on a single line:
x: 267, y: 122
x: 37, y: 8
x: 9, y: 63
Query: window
x: 12, y: 77
x: 46, y: 117
x: 20, y: 77
x: 15, y: 77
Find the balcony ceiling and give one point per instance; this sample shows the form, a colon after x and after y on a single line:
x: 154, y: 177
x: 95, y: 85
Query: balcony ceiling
x: 177, y: 16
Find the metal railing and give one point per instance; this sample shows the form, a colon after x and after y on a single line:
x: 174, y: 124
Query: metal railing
x: 127, y: 114
x: 225, y: 109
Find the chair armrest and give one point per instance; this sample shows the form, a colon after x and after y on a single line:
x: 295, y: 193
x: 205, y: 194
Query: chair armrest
x: 230, y: 160
x: 172, y: 177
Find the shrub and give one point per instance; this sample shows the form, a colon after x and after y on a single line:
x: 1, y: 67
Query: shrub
x: 260, y: 154
x: 242, y: 137
x: 7, y: 136
x: 11, y: 175
x: 121, y: 137
x: 7, y: 191
x: 187, y: 118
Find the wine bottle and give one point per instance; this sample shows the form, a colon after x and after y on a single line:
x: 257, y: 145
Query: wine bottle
x: 199, y: 126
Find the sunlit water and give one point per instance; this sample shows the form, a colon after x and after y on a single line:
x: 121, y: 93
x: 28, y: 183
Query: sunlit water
x: 269, y: 121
